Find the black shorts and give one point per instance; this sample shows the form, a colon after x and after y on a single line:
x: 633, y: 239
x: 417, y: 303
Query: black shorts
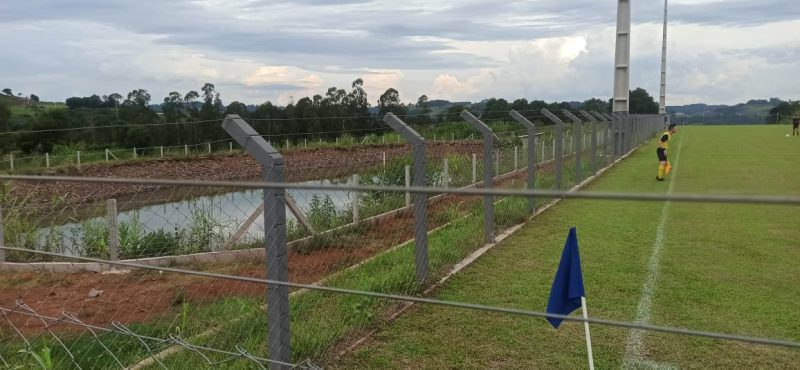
x: 662, y: 154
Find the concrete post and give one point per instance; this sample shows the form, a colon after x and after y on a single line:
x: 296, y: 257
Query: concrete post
x: 420, y: 199
x: 474, y: 168
x: 531, y: 147
x: 446, y: 173
x: 113, y: 229
x: 2, y: 238
x: 272, y: 165
x: 592, y: 140
x: 558, y: 147
x: 578, y: 133
x: 355, y: 201
x: 488, y: 176
x: 408, y: 184
x: 47, y: 160
x: 78, y: 159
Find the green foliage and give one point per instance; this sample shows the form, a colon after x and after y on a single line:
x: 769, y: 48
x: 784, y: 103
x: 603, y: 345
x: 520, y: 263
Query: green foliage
x: 323, y: 214
x: 42, y: 357
x: 642, y: 103
x: 95, y: 238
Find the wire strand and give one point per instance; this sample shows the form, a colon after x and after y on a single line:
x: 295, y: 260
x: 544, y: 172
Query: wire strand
x: 463, y: 305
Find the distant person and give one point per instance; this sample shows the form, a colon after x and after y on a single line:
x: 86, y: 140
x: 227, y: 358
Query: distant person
x: 663, y: 144
x: 796, y: 125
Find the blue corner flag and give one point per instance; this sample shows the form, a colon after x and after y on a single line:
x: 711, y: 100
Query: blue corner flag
x: 567, y: 290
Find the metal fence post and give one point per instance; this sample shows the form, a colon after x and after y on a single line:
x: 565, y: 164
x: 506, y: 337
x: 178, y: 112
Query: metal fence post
x: 113, y: 231
x: 355, y: 202
x: 531, y: 128
x: 578, y: 144
x: 272, y: 166
x: 592, y: 140
x: 420, y: 199
x: 558, y: 156
x: 608, y: 127
x: 2, y: 238
x: 488, y: 148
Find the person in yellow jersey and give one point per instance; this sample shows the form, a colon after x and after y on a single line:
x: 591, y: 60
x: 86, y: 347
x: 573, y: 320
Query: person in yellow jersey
x: 663, y: 144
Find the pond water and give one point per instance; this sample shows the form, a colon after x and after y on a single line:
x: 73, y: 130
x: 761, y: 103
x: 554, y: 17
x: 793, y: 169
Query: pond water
x: 226, y: 212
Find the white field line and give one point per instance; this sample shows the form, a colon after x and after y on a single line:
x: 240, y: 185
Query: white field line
x: 634, y: 356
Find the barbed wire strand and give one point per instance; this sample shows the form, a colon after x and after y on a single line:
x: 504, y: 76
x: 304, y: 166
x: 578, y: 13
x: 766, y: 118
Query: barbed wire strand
x: 590, y: 195
x: 218, y: 120
x: 422, y: 300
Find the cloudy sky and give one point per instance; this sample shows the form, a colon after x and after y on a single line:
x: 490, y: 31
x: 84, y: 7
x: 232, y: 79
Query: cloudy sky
x: 256, y: 50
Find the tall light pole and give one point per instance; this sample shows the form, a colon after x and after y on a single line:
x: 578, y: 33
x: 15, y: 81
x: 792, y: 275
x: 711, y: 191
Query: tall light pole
x: 662, y: 101
x: 622, y: 58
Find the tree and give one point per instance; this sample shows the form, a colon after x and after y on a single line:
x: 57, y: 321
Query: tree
x: 113, y: 100
x: 237, y: 108
x: 138, y: 97
x: 454, y: 113
x: 34, y: 98
x: 189, y: 100
x: 641, y: 102
x: 495, y: 109
x: 5, y: 126
x: 596, y: 105
x: 423, y: 110
x: 520, y: 105
x: 8, y: 92
x: 208, y: 93
x: 783, y: 111
x: 172, y: 106
x: 389, y: 101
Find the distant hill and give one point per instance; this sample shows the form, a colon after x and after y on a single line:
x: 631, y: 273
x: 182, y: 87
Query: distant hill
x: 754, y: 111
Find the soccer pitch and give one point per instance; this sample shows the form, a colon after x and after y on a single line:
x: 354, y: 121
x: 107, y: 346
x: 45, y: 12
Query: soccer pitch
x: 714, y: 267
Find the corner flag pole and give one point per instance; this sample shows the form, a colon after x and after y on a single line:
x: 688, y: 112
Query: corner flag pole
x: 588, y: 335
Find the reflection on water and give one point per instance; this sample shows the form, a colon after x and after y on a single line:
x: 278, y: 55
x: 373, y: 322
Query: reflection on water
x: 228, y: 212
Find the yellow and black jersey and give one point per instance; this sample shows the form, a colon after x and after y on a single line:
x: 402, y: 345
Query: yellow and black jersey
x: 664, y: 142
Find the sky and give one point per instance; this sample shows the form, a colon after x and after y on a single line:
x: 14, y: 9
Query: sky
x: 719, y: 52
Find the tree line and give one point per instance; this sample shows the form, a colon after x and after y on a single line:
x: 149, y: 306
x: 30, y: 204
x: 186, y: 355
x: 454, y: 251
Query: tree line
x: 133, y: 120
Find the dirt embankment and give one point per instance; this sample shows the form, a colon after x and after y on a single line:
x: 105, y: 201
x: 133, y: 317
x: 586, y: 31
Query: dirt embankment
x: 301, y: 165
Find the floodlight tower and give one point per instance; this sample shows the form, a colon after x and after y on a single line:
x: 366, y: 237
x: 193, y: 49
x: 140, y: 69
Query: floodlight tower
x: 622, y: 58
x: 662, y: 100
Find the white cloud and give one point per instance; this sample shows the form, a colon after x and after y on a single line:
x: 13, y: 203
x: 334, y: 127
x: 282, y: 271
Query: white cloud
x: 470, y: 50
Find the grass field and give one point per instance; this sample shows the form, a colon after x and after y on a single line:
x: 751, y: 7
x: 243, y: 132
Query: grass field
x: 726, y: 268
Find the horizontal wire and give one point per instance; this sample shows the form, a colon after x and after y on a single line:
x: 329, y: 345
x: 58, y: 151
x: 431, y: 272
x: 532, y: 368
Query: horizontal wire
x: 702, y: 198
x: 469, y: 306
x: 128, y: 332
x: 66, y: 129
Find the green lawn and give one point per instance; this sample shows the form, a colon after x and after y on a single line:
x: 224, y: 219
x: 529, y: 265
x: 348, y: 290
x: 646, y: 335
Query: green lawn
x: 727, y: 268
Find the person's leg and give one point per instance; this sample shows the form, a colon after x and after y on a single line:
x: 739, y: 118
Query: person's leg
x: 667, y: 169
x: 662, y: 163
